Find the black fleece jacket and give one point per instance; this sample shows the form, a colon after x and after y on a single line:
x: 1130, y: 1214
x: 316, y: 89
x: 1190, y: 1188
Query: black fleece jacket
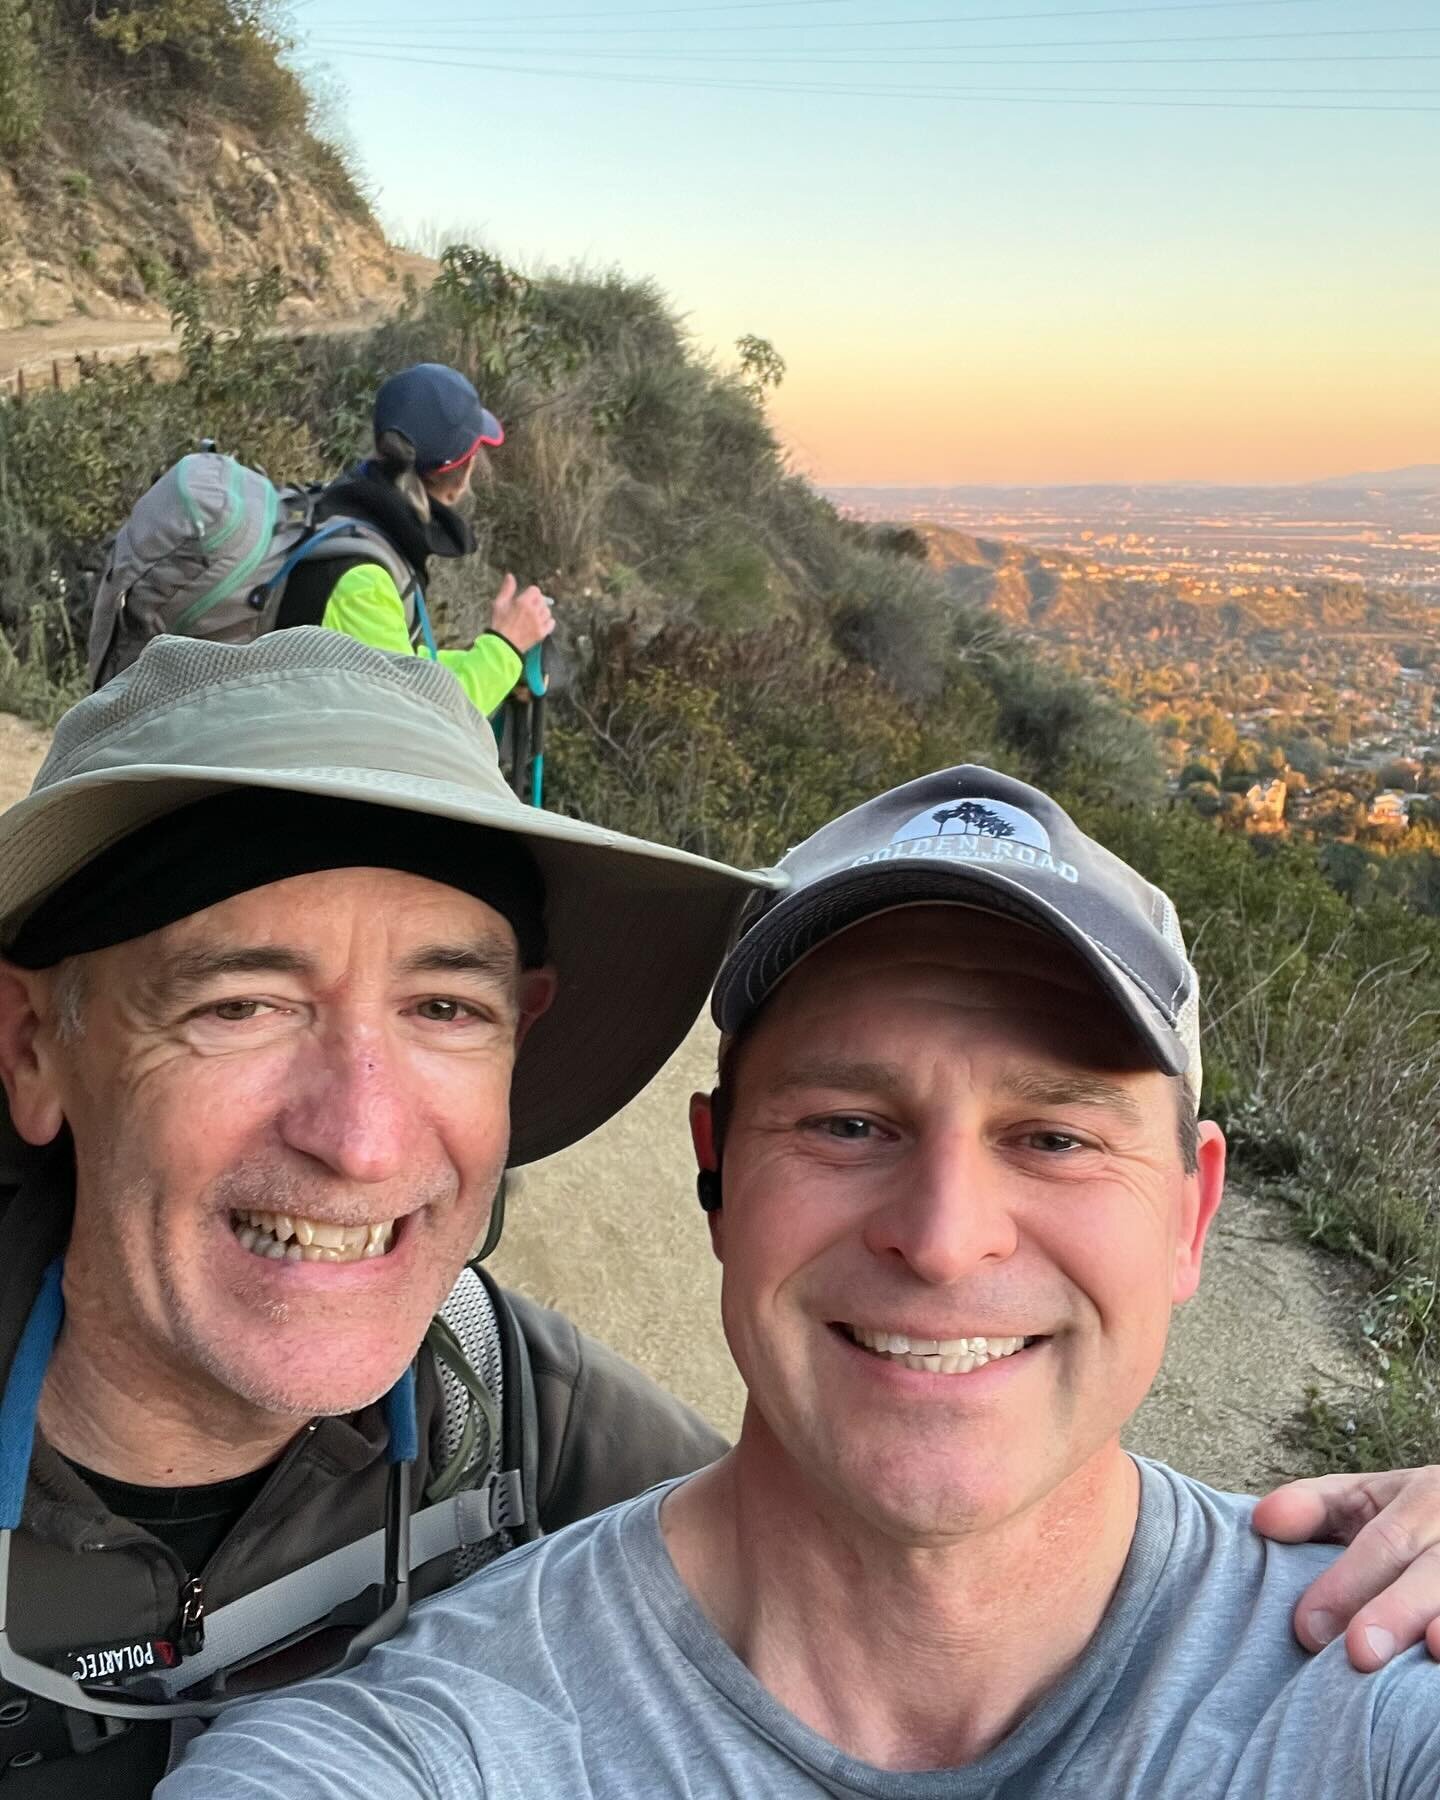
x: 365, y: 495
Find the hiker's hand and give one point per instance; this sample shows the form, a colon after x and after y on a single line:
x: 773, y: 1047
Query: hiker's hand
x: 1384, y: 1592
x: 523, y: 618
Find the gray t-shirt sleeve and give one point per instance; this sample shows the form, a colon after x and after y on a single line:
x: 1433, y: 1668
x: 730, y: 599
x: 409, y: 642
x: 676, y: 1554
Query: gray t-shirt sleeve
x: 1405, y: 1730
x: 333, y: 1741
x: 421, y: 1724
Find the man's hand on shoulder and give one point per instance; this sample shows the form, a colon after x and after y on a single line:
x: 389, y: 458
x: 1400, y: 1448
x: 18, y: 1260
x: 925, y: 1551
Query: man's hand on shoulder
x: 1384, y: 1592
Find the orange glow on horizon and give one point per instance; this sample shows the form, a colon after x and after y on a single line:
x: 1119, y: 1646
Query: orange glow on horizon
x: 1096, y: 404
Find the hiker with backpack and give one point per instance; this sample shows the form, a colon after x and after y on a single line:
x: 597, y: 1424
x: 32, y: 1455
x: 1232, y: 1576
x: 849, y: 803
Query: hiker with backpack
x: 431, y: 434
x: 277, y: 1007
x: 271, y: 996
x: 214, y: 550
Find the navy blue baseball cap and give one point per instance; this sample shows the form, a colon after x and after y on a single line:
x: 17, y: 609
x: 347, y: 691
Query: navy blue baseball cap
x: 440, y: 412
x: 977, y: 838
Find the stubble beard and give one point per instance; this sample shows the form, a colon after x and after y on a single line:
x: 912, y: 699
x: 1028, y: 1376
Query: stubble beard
x: 260, y: 1186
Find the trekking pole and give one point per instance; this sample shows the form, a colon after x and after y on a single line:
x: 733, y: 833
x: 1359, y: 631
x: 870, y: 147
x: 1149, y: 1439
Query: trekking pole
x: 537, y: 681
x: 518, y: 714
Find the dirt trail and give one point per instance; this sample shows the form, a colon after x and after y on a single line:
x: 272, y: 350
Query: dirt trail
x: 610, y: 1233
x: 36, y: 348
x: 33, y: 348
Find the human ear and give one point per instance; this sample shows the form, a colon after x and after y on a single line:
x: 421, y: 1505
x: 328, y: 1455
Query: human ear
x: 1201, y: 1201
x: 707, y: 1160
x: 536, y: 995
x: 26, y: 1057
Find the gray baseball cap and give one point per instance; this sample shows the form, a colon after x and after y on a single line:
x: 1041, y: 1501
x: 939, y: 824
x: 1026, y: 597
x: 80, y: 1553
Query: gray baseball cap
x: 973, y: 836
x: 635, y: 929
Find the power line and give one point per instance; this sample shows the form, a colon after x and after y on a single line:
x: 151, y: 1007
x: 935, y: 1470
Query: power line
x: 862, y: 93
x: 958, y: 55
x: 712, y: 6
x: 525, y: 21
x: 1255, y: 37
x: 1158, y: 94
x: 340, y: 45
x: 960, y: 19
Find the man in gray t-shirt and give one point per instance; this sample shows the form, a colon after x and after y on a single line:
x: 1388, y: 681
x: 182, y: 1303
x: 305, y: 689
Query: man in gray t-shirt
x: 964, y: 1184
x: 583, y: 1666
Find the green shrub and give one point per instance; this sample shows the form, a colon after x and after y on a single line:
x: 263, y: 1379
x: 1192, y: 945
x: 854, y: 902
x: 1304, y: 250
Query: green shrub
x: 22, y: 94
x: 42, y: 673
x: 72, y: 463
x: 740, y: 744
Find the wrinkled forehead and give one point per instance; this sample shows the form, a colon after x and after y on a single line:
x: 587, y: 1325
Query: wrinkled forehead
x: 978, y: 966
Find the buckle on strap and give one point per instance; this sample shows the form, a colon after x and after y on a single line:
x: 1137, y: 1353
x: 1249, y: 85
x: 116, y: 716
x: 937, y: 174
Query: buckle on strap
x: 497, y: 1505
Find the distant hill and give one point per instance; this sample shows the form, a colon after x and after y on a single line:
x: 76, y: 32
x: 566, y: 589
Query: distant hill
x: 1042, y: 590
x: 1421, y: 478
x: 1417, y: 478
x: 1059, y: 595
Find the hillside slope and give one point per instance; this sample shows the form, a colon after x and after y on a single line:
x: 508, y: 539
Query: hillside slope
x: 144, y: 142
x: 101, y: 240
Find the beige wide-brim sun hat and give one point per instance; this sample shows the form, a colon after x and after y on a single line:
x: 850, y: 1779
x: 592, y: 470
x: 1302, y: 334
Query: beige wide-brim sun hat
x: 636, y: 930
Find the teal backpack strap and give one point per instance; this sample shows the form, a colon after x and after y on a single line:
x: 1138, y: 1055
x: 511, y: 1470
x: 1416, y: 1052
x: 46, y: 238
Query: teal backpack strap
x: 422, y: 617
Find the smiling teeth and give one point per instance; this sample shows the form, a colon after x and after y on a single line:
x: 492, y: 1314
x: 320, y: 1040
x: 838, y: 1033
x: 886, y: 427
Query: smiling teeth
x: 937, y: 1356
x: 283, y: 1238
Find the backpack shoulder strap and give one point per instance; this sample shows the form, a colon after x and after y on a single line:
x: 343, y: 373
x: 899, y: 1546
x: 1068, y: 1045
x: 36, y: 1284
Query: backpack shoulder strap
x: 338, y: 538
x: 520, y: 1419
x: 490, y: 1428
x: 486, y: 1505
x: 355, y: 537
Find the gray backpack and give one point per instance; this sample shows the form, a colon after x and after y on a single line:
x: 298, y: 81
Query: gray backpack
x: 205, y: 553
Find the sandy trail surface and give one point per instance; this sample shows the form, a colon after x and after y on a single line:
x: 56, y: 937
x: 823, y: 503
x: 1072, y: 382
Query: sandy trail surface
x: 609, y: 1232
x: 34, y: 347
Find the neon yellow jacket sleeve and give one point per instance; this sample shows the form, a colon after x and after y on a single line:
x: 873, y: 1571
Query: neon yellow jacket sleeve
x: 365, y: 604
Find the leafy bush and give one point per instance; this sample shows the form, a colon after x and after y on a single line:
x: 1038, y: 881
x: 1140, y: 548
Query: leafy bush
x: 22, y: 94
x: 43, y: 673
x: 72, y: 463
x: 739, y: 745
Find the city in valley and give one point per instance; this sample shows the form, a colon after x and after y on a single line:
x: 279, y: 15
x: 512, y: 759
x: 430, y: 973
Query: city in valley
x: 1284, y: 642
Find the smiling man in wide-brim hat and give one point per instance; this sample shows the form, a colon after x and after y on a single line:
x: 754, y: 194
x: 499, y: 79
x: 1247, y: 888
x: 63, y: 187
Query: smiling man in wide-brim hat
x: 289, y: 977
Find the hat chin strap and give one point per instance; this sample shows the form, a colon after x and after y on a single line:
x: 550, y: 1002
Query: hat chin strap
x: 497, y: 1222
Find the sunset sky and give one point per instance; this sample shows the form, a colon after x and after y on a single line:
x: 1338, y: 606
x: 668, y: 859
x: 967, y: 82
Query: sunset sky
x: 971, y: 278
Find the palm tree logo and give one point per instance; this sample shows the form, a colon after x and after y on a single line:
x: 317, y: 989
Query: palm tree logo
x: 971, y: 816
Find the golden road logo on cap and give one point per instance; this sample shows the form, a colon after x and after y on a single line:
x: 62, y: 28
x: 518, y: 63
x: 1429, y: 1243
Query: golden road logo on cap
x: 967, y: 830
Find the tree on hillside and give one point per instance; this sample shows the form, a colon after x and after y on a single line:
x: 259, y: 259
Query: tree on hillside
x: 761, y: 364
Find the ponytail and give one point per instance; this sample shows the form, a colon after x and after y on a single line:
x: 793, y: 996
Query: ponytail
x: 395, y: 459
